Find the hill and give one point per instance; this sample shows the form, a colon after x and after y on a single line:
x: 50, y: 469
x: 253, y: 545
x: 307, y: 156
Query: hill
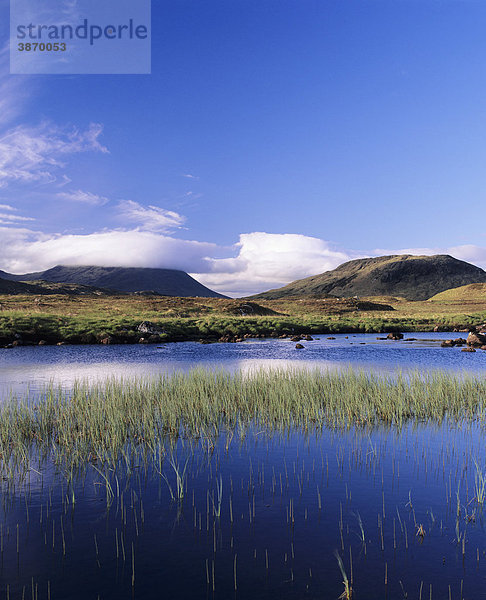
x: 167, y: 282
x: 474, y: 292
x: 411, y: 277
x: 15, y: 287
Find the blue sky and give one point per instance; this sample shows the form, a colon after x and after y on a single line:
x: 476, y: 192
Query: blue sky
x: 273, y: 140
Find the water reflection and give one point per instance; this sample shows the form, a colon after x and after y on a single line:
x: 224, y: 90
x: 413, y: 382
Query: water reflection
x: 29, y: 369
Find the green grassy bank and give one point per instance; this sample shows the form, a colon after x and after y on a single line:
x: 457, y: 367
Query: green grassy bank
x: 31, y: 329
x: 112, y: 319
x: 76, y: 330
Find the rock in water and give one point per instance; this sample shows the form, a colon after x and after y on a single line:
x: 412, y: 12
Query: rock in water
x: 476, y: 339
x: 448, y: 343
x: 395, y: 335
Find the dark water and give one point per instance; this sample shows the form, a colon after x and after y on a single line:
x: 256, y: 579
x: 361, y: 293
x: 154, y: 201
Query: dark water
x: 403, y: 509
x: 31, y: 368
x: 146, y: 545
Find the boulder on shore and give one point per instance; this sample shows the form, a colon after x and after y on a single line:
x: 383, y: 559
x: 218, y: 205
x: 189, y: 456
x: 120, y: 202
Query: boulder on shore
x: 150, y: 328
x: 299, y: 346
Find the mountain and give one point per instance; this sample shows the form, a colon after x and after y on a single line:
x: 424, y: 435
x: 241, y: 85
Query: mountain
x: 167, y: 282
x: 43, y: 288
x: 412, y: 277
x: 28, y: 277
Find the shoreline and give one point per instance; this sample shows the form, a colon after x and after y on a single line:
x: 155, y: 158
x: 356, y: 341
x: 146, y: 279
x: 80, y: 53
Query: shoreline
x: 298, y: 333
x: 61, y: 319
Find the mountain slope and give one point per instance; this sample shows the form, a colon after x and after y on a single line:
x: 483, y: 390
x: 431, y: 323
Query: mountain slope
x: 15, y: 287
x: 413, y: 277
x: 44, y: 288
x: 168, y: 282
x: 474, y: 292
x: 27, y: 277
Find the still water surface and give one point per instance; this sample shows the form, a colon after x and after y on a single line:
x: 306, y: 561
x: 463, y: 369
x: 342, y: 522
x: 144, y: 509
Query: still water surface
x: 263, y: 513
x: 30, y: 368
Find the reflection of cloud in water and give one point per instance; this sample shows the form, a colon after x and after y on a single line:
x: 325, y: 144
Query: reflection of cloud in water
x: 276, y: 364
x: 29, y: 370
x: 32, y: 378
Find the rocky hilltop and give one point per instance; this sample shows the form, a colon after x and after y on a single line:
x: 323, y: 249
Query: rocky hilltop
x: 167, y: 282
x: 408, y: 276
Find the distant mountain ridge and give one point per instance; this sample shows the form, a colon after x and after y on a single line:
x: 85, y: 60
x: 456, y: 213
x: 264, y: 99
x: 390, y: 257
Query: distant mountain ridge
x: 406, y: 275
x: 168, y: 282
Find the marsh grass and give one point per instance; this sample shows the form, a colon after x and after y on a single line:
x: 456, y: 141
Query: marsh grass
x: 479, y: 483
x: 268, y: 528
x: 348, y: 591
x: 176, y: 492
x: 104, y: 423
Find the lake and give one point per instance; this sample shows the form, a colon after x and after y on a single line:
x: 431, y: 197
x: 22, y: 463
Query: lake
x: 394, y: 511
x: 264, y: 514
x: 31, y: 368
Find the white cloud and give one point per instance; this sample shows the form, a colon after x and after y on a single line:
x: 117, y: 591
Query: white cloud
x: 8, y: 216
x: 258, y: 262
x: 262, y: 260
x: 469, y: 253
x: 34, y: 154
x: 151, y: 218
x: 83, y: 197
x: 64, y: 180
x: 23, y: 250
x: 267, y: 260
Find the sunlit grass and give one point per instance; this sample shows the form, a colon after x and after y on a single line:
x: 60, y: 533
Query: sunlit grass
x: 104, y: 422
x: 90, y: 319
